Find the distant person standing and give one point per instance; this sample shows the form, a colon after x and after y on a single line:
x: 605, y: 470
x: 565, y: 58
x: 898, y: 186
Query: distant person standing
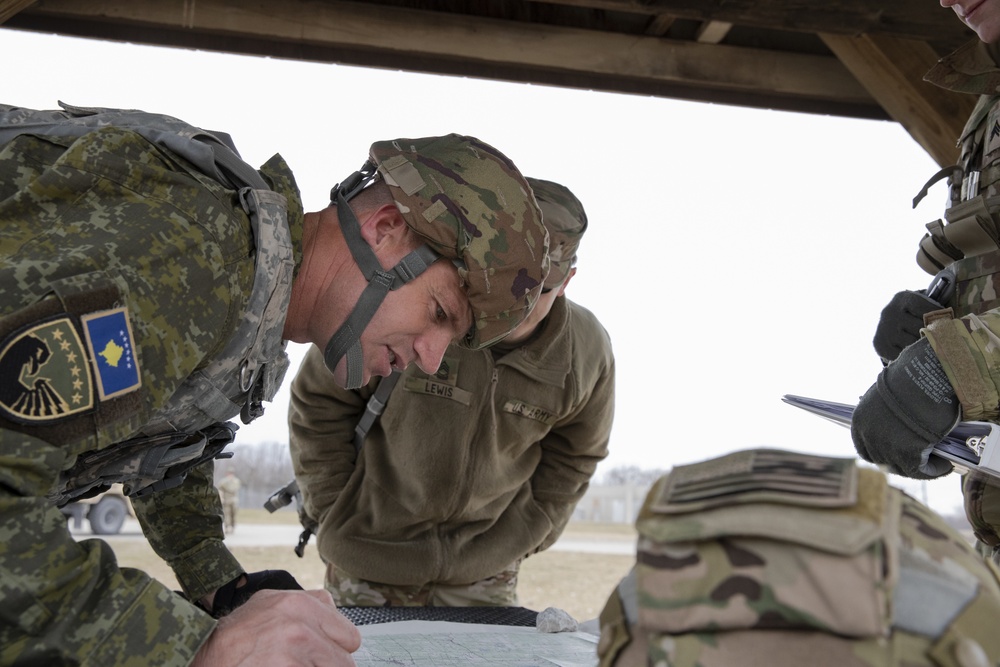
x: 229, y: 491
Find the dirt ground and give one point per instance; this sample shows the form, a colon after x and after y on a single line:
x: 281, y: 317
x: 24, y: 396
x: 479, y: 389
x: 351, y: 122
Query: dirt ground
x: 579, y: 583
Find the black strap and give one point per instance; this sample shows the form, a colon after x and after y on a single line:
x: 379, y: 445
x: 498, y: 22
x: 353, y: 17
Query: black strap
x: 231, y: 595
x: 952, y: 172
x: 374, y: 408
x: 347, y: 339
x: 144, y: 464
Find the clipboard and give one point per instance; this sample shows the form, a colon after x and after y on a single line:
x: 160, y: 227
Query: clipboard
x: 971, y: 446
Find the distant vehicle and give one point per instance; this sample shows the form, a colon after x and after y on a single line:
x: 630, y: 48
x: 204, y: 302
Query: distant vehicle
x: 105, y: 512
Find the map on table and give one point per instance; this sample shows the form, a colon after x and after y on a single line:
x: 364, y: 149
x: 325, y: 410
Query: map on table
x: 505, y: 646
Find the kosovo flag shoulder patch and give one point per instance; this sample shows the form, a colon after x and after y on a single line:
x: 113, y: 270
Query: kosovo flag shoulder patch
x: 109, y: 341
x: 43, y: 373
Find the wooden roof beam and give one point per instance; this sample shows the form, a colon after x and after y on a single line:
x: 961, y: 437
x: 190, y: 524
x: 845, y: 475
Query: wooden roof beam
x: 458, y: 38
x: 902, y: 18
x: 892, y: 70
x: 10, y: 7
x: 659, y: 25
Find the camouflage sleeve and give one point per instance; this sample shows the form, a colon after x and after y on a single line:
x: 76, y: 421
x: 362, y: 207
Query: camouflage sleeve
x: 969, y: 351
x: 184, y: 527
x: 68, y: 602
x: 571, y: 452
x: 321, y: 421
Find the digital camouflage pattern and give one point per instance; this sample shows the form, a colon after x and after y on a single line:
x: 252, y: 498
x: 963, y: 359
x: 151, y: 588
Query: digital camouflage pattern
x: 566, y: 222
x: 499, y: 590
x: 255, y: 353
x: 149, y: 237
x: 469, y: 202
x: 775, y: 558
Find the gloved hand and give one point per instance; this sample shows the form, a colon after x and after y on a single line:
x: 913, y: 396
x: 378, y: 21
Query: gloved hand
x: 232, y: 595
x: 908, y: 410
x: 900, y: 322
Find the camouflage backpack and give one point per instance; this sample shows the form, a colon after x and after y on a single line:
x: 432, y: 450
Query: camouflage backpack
x: 189, y: 429
x: 766, y: 557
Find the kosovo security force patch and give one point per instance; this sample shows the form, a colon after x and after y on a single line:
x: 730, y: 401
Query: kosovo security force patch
x: 43, y: 373
x: 109, y: 340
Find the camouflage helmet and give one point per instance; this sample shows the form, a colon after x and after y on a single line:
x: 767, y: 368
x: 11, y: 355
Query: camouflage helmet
x: 469, y: 203
x: 566, y: 221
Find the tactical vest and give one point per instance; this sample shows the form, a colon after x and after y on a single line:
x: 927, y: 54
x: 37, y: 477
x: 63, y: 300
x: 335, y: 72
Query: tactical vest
x: 766, y: 557
x: 187, y: 430
x: 966, y: 242
x: 964, y: 248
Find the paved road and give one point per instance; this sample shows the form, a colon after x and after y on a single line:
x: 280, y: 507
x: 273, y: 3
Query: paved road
x: 259, y: 534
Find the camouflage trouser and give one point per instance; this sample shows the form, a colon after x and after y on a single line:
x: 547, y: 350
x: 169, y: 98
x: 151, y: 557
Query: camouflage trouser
x: 229, y: 516
x: 496, y: 591
x: 784, y: 560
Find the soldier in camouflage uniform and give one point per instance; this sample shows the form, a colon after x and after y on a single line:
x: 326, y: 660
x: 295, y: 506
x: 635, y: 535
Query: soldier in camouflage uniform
x: 470, y: 469
x: 229, y: 492
x: 147, y: 286
x: 945, y: 364
x: 779, y: 559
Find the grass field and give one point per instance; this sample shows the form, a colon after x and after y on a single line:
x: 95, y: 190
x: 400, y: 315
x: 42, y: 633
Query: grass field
x: 576, y: 582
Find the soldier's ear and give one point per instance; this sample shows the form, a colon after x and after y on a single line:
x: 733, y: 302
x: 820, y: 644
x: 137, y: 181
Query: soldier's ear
x: 384, y: 225
x: 569, y: 277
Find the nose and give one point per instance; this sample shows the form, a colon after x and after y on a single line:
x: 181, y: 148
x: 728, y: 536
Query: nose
x: 949, y: 3
x: 430, y: 350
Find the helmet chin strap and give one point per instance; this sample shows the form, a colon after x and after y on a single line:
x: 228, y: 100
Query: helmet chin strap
x: 347, y: 339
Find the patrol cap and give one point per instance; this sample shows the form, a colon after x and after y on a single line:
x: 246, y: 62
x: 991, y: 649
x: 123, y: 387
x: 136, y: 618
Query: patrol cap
x: 566, y: 221
x: 469, y: 203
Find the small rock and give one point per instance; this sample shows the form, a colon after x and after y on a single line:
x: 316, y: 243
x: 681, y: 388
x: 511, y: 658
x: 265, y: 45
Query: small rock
x: 551, y: 619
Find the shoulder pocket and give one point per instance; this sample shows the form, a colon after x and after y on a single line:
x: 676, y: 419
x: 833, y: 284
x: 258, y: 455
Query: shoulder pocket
x: 766, y: 539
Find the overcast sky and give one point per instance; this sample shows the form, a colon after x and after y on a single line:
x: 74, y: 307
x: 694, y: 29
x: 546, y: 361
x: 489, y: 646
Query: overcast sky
x: 734, y: 255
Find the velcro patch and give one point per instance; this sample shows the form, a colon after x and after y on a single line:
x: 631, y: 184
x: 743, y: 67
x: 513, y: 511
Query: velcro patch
x: 109, y: 340
x: 431, y: 387
x: 443, y: 383
x: 523, y: 409
x: 43, y: 373
x: 760, y: 475
x: 992, y: 138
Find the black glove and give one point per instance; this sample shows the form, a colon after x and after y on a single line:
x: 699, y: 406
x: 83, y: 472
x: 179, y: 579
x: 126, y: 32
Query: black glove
x: 908, y: 410
x: 232, y: 595
x: 900, y: 322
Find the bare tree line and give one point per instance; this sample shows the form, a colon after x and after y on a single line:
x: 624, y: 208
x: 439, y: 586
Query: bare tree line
x: 261, y: 467
x: 267, y: 466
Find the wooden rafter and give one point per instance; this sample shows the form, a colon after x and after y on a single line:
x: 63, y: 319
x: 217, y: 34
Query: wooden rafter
x: 892, y: 70
x: 9, y: 8
x: 476, y: 39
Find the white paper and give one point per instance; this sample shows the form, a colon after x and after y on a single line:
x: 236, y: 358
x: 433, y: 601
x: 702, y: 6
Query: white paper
x: 444, y: 644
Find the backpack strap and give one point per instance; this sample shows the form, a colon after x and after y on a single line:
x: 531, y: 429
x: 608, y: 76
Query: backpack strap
x: 213, y: 153
x: 374, y: 407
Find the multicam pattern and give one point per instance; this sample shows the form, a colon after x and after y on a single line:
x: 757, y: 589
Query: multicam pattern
x: 469, y: 202
x: 967, y: 347
x: 566, y: 221
x: 878, y: 579
x: 500, y: 590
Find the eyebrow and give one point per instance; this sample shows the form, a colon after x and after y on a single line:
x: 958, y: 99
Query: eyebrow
x: 461, y: 318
